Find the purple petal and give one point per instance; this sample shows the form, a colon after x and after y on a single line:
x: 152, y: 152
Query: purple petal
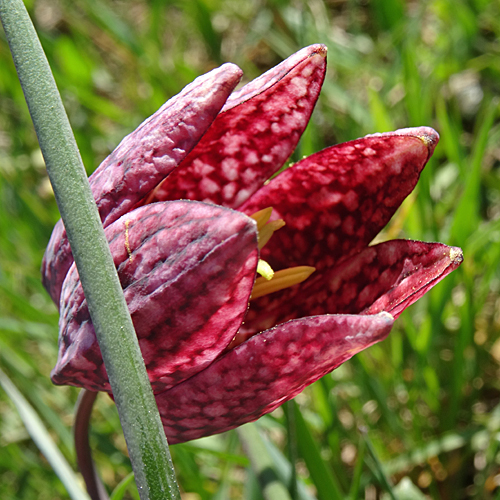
x: 254, y: 134
x: 259, y: 375
x: 336, y: 201
x: 386, y: 277
x: 430, y: 263
x: 186, y: 280
x: 143, y: 159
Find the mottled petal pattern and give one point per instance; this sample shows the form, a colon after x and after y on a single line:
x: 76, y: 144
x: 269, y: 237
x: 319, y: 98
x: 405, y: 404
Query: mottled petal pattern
x: 336, y: 201
x: 187, y: 270
x: 265, y: 371
x: 386, y: 277
x: 253, y: 136
x: 144, y: 158
x: 422, y: 265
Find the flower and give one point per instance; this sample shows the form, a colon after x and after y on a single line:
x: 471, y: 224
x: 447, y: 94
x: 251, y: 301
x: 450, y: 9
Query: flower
x: 188, y: 267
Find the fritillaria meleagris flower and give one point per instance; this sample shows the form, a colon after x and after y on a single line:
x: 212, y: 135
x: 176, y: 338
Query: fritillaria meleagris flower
x: 188, y: 267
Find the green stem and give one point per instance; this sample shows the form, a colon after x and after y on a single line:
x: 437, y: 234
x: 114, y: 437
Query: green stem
x: 134, y: 398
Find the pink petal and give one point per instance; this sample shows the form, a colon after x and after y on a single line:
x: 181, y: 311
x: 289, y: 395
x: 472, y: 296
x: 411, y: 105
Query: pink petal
x: 336, y: 201
x: 143, y: 159
x: 254, y: 134
x: 259, y: 375
x: 386, y: 277
x: 186, y: 281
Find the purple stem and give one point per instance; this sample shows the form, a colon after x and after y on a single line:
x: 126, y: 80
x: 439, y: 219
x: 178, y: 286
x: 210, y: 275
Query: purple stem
x: 83, y: 411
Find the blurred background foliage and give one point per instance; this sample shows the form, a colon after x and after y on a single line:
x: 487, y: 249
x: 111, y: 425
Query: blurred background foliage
x: 417, y: 416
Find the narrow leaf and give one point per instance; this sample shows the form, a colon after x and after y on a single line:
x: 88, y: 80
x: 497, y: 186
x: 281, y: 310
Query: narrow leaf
x: 262, y: 464
x: 326, y: 483
x: 42, y: 439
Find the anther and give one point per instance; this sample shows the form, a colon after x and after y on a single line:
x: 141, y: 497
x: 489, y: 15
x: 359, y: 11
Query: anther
x: 262, y: 216
x: 265, y: 270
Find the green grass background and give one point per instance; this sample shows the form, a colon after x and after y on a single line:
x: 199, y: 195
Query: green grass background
x: 417, y: 416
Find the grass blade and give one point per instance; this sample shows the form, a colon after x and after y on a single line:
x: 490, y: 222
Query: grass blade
x: 262, y: 463
x: 466, y: 217
x: 42, y: 439
x: 327, y: 485
x: 122, y: 487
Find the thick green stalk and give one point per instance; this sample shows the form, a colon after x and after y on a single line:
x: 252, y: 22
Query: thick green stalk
x: 134, y: 399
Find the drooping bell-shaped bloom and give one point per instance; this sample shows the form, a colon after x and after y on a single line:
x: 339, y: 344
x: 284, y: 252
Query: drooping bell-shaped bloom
x: 188, y: 268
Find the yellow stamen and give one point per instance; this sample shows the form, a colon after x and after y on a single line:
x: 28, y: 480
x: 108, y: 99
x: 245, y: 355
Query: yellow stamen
x: 262, y: 216
x: 282, y: 279
x: 267, y: 231
x: 271, y: 281
x: 264, y: 227
x: 265, y: 270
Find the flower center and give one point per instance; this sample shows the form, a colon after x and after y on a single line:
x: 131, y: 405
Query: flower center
x: 270, y: 281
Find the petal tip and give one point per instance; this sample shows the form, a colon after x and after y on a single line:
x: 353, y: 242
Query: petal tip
x: 387, y: 316
x: 231, y: 68
x: 429, y: 137
x: 456, y: 256
x: 319, y: 49
x: 426, y: 134
x: 384, y: 321
x: 231, y: 72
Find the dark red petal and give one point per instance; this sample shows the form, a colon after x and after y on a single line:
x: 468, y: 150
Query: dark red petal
x: 144, y: 158
x: 254, y: 134
x: 419, y: 274
x: 186, y: 281
x: 336, y: 201
x: 259, y: 375
x: 386, y: 277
